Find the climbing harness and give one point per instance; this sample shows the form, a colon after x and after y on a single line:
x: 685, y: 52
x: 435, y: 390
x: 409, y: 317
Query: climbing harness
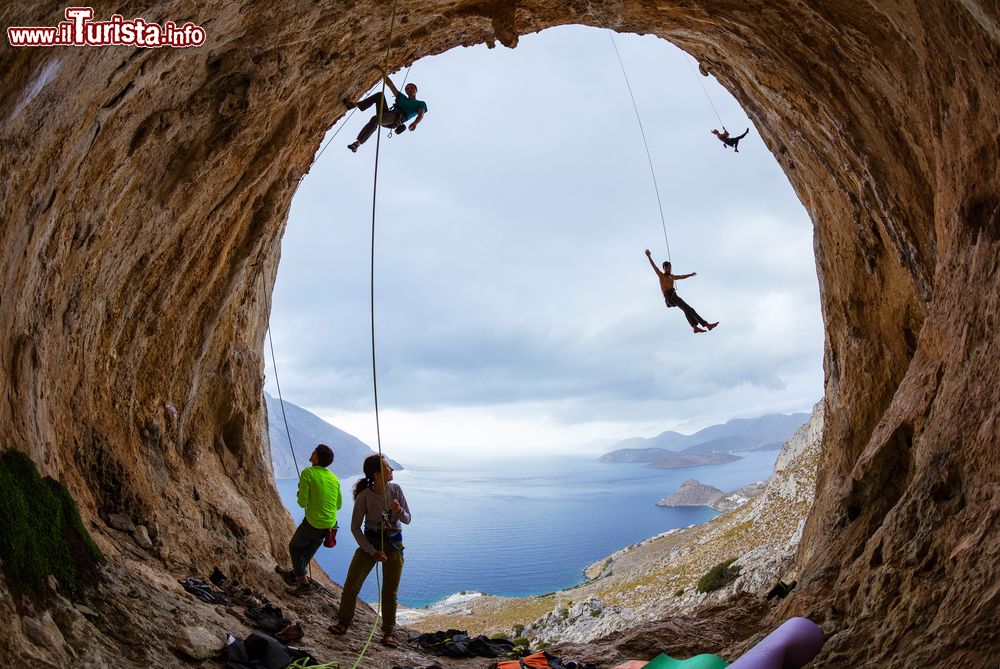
x: 401, y: 128
x: 649, y: 157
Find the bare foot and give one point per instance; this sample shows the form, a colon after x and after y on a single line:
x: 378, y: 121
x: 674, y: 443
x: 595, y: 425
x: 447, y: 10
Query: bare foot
x: 698, y: 330
x: 712, y: 326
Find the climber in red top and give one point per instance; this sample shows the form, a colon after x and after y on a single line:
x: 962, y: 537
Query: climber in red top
x: 730, y: 141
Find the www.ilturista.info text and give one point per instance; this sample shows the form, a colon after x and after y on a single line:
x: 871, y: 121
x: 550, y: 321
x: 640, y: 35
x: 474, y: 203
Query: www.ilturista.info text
x: 79, y: 30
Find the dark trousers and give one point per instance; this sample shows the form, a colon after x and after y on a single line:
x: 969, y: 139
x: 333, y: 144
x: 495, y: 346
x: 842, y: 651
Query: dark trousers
x: 390, y: 119
x: 735, y: 141
x: 361, y: 566
x: 303, y: 546
x: 674, y: 300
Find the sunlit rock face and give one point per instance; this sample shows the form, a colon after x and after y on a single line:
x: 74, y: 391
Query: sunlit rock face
x: 143, y: 194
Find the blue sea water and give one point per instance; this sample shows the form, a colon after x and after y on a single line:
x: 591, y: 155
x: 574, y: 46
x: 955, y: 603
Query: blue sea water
x: 525, y: 526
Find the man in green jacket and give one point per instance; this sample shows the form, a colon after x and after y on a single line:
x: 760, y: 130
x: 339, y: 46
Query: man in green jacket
x: 319, y: 495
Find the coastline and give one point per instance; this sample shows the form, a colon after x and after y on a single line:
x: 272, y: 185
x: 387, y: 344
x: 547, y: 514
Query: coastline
x: 522, y: 558
x: 658, y: 577
x: 450, y: 605
x: 463, y: 603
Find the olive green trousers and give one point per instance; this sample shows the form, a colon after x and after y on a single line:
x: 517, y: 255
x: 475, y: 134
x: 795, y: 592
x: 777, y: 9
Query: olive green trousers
x: 361, y: 566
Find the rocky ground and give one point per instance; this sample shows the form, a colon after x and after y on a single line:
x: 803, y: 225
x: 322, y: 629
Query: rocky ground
x: 138, y: 615
x: 655, y: 580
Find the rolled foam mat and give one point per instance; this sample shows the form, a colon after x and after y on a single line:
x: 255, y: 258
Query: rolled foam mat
x: 793, y: 644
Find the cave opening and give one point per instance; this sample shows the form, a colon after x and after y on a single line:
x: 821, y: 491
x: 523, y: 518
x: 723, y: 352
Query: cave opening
x: 516, y: 313
x: 537, y: 201
x: 145, y: 193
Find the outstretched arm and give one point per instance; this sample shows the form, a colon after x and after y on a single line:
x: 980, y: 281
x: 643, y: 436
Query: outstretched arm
x: 682, y: 276
x: 420, y: 117
x: 652, y: 264
x: 387, y: 80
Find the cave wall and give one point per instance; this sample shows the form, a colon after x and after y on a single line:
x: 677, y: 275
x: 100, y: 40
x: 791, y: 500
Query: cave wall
x: 143, y: 195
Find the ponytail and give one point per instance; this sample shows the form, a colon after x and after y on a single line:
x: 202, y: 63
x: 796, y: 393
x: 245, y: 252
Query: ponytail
x: 371, y: 467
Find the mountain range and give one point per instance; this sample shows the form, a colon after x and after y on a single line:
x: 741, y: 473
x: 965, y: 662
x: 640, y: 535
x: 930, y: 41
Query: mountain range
x: 307, y: 430
x: 740, y: 434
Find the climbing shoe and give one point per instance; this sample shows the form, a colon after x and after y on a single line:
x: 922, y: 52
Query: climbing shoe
x: 300, y: 589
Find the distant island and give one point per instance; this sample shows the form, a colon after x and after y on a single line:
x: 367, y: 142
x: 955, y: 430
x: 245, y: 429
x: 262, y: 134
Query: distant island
x: 679, y: 460
x: 694, y: 493
x: 635, y: 455
x: 710, y: 446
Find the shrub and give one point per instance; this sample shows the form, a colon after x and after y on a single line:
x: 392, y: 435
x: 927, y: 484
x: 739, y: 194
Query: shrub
x: 500, y: 636
x: 518, y: 629
x: 679, y: 592
x: 564, y: 613
x: 595, y: 612
x: 718, y: 576
x: 42, y: 531
x: 521, y: 641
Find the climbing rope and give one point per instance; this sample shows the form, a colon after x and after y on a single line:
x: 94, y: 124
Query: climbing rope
x: 704, y: 90
x: 332, y: 137
x: 371, y: 306
x: 649, y: 157
x: 281, y: 401
x: 378, y: 431
x: 274, y: 366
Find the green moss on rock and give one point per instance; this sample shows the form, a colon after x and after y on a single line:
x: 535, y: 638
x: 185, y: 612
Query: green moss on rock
x: 41, y: 532
x: 719, y: 576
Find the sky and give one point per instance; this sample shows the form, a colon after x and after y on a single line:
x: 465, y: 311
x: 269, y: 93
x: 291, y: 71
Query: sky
x: 515, y: 310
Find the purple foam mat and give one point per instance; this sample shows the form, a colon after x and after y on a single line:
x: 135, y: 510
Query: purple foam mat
x: 793, y: 644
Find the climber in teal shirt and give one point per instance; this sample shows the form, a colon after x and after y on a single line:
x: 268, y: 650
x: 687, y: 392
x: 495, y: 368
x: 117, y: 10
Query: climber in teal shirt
x: 319, y: 495
x: 405, y: 107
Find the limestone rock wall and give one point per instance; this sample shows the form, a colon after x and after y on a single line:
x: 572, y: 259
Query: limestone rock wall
x: 143, y: 194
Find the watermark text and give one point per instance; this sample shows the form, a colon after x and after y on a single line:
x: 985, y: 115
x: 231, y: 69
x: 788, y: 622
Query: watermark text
x: 80, y: 30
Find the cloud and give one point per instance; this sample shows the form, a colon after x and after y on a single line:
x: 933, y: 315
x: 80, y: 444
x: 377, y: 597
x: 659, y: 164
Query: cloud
x: 509, y: 268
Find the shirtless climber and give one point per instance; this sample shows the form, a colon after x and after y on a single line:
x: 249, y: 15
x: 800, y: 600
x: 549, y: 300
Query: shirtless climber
x: 403, y: 109
x: 730, y: 141
x: 672, y: 299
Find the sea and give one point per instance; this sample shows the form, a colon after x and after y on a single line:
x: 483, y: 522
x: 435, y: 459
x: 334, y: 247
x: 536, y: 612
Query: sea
x: 526, y: 525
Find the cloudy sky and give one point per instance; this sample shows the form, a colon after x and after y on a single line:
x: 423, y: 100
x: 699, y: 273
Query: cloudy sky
x: 515, y: 310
